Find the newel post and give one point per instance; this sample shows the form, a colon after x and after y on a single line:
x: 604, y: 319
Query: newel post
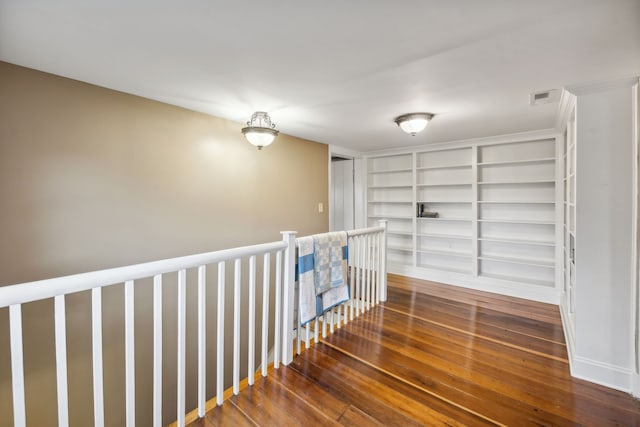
x: 383, y: 261
x: 288, y: 293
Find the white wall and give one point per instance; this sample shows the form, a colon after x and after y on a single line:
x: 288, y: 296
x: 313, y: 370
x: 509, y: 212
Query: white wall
x: 604, y: 314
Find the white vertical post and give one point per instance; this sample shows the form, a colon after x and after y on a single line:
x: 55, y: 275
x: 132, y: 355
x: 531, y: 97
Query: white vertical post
x: 17, y: 367
x: 61, y: 360
x: 324, y: 325
x: 202, y: 337
x: 352, y: 277
x: 96, y: 344
x: 220, y: 336
x: 298, y: 337
x: 377, y: 239
x: 383, y: 262
x: 251, y: 358
x: 315, y: 330
x: 236, y: 326
x: 331, y: 319
x: 358, y: 283
x: 339, y: 315
x: 277, y: 347
x: 288, y: 296
x: 182, y: 332
x: 367, y: 286
x: 129, y: 350
x: 306, y: 335
x: 157, y: 350
x: 265, y: 311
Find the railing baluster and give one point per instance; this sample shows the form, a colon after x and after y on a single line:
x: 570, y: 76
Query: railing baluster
x: 252, y: 321
x: 377, y: 268
x: 367, y: 297
x: 220, y: 336
x: 277, y: 345
x: 202, y: 340
x: 129, y: 350
x: 96, y: 345
x: 298, y: 337
x: 383, y: 262
x: 236, y: 327
x: 157, y: 350
x: 349, y: 310
x: 324, y: 325
x: 17, y: 365
x: 363, y: 254
x: 306, y: 335
x: 266, y: 276
x: 61, y: 360
x: 182, y: 332
x: 288, y: 296
x: 331, y: 319
x: 353, y: 255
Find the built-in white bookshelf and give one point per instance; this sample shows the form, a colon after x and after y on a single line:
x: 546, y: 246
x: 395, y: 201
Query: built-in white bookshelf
x: 390, y: 197
x: 444, y: 187
x: 516, y: 214
x: 569, y: 216
x: 488, y: 210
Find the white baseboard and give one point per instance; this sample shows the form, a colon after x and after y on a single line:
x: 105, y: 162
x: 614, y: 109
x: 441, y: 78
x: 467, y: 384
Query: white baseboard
x: 602, y: 373
x: 635, y: 386
x: 568, y: 332
x: 544, y: 294
x: 605, y: 374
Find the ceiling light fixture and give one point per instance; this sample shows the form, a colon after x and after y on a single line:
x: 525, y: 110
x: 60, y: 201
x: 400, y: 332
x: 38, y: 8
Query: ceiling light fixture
x: 413, y: 123
x: 260, y: 131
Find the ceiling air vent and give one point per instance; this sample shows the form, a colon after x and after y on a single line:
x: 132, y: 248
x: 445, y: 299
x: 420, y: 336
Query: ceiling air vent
x: 544, y: 97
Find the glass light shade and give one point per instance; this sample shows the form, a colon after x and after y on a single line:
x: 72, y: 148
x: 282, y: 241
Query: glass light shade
x: 260, y: 131
x: 414, y: 122
x: 260, y: 137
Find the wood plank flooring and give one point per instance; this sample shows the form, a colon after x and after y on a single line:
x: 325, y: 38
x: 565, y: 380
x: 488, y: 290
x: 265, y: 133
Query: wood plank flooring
x: 433, y: 355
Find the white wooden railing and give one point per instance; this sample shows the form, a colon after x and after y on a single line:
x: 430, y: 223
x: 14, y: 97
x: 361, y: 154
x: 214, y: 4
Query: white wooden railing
x: 367, y: 265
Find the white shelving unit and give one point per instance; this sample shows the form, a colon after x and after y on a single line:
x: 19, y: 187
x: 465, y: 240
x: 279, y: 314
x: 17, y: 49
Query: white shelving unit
x: 390, y: 197
x: 516, y: 216
x: 444, y: 185
x: 569, y: 228
x: 495, y: 205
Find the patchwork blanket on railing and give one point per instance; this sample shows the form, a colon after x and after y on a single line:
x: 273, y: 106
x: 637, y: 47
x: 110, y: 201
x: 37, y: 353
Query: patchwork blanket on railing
x: 322, y: 273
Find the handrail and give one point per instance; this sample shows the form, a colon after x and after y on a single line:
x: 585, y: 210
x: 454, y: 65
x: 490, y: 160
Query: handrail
x: 367, y: 264
x: 49, y: 288
x: 357, y: 232
x: 370, y: 230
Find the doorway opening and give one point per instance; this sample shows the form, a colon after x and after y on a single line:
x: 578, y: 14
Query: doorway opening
x: 342, y: 208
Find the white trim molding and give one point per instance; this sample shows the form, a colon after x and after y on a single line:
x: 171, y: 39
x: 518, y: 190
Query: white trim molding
x: 488, y: 140
x: 600, y: 86
x: 565, y: 107
x: 602, y: 373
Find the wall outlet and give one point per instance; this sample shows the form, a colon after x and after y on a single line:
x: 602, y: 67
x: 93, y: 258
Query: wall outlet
x: 320, y: 207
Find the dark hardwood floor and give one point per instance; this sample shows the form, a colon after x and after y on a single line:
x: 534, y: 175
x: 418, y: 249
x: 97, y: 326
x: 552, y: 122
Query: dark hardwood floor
x: 433, y: 355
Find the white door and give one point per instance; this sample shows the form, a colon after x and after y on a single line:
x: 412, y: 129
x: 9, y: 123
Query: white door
x: 342, y: 194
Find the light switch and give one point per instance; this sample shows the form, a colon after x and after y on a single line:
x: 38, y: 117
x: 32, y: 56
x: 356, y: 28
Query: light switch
x: 320, y: 207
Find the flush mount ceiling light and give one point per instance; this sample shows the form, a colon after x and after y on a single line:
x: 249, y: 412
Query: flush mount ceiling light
x: 413, y: 123
x: 260, y: 131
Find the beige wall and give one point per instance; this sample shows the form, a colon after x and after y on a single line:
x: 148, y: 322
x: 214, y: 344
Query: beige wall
x: 91, y: 178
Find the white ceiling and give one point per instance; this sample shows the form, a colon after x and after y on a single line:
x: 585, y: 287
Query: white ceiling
x: 335, y: 71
